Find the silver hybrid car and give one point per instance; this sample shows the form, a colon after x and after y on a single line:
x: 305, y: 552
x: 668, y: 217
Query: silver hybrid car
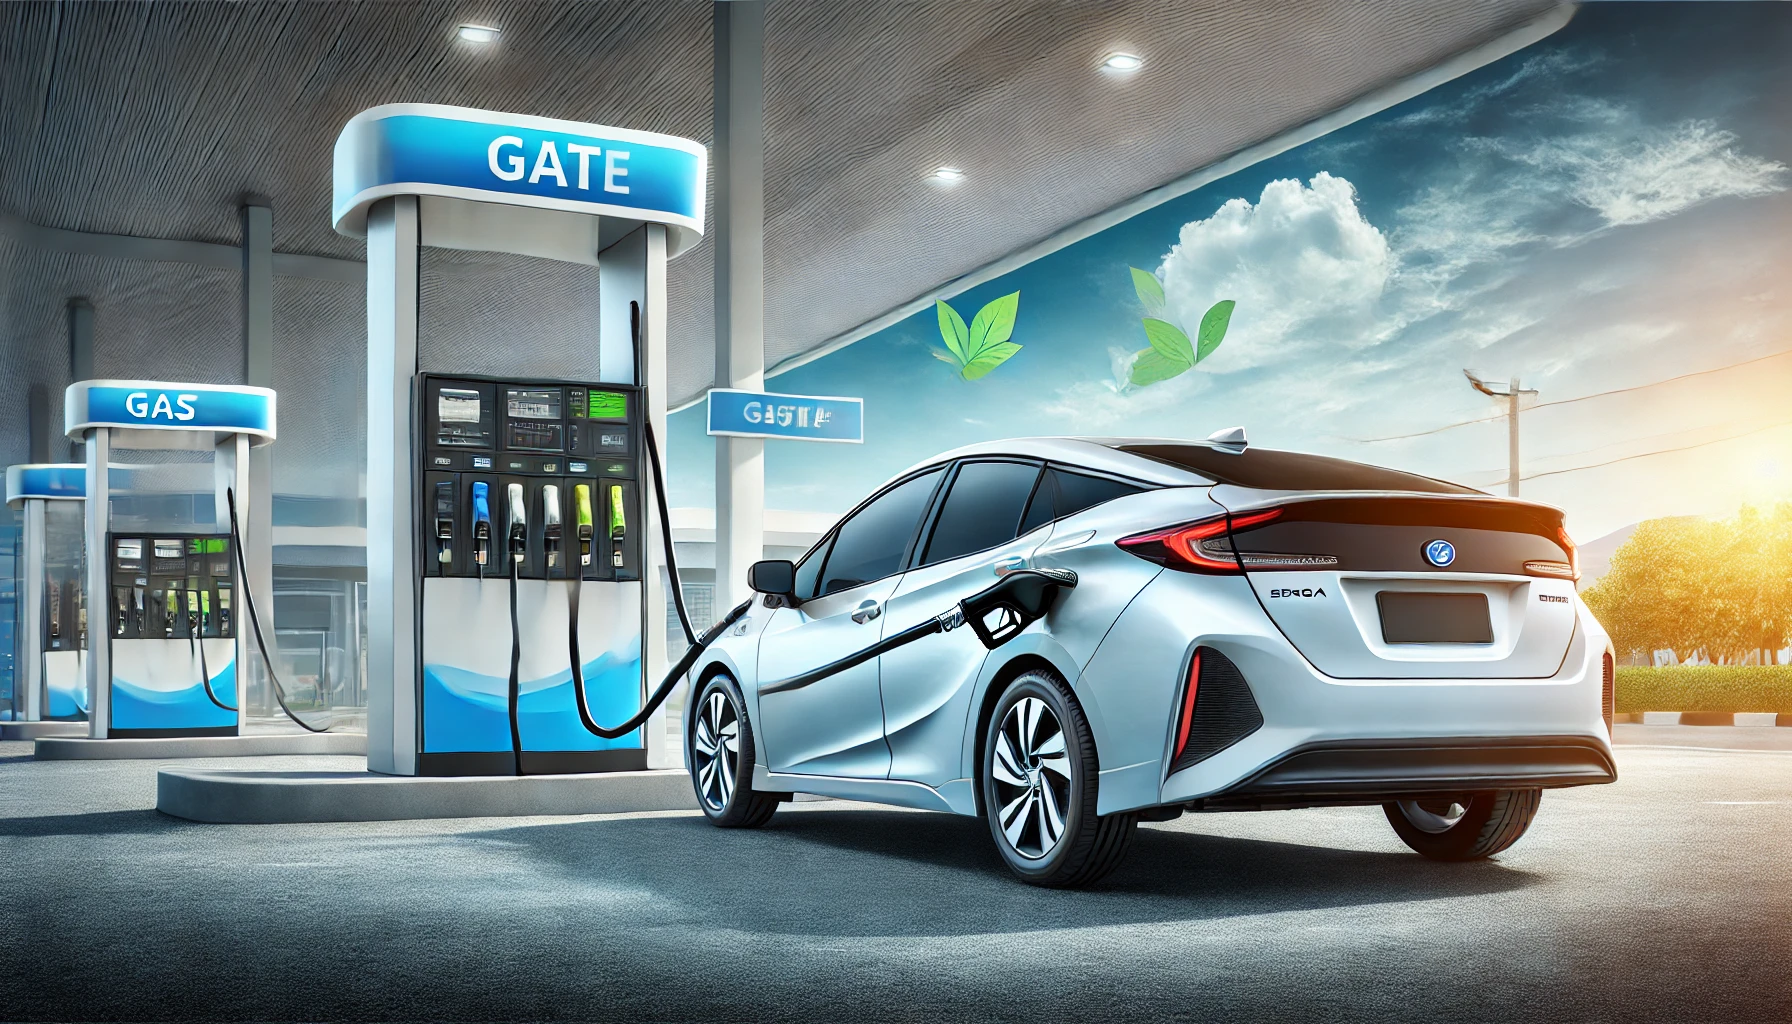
x: 1248, y: 630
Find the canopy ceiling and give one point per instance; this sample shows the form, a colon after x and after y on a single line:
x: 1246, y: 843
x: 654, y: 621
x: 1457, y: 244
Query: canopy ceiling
x: 156, y: 119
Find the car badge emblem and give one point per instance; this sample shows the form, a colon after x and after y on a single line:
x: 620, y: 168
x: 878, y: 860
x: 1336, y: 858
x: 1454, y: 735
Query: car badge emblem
x: 1440, y: 553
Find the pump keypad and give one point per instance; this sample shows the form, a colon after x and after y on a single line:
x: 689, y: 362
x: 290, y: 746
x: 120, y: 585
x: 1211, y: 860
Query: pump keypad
x: 562, y: 456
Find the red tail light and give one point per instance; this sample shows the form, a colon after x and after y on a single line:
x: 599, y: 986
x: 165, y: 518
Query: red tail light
x: 1573, y: 552
x: 1188, y: 704
x: 1203, y: 546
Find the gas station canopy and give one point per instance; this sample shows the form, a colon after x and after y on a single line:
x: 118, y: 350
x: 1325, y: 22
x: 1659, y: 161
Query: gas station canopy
x: 158, y: 120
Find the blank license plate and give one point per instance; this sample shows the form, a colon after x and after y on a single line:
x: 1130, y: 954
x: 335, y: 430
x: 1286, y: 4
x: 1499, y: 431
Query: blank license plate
x: 1409, y: 617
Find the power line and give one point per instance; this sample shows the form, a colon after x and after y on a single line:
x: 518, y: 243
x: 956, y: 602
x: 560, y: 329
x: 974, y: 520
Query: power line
x: 1569, y: 401
x: 1664, y: 451
x: 1669, y: 380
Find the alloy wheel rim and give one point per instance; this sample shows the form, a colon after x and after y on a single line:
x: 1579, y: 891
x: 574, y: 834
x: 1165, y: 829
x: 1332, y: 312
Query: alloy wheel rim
x: 715, y: 742
x: 1030, y: 770
x: 1434, y: 816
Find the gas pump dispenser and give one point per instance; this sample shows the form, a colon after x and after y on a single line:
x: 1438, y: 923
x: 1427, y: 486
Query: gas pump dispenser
x: 165, y: 651
x: 515, y: 590
x: 51, y: 635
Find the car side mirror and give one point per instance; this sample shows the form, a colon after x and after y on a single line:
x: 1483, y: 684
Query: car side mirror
x: 774, y: 576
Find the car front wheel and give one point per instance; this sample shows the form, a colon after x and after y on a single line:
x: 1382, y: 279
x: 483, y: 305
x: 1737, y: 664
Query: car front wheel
x: 721, y: 747
x: 1039, y: 782
x: 1464, y: 826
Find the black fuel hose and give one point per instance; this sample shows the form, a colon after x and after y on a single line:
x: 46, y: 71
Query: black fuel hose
x: 205, y: 673
x: 514, y: 694
x: 236, y: 541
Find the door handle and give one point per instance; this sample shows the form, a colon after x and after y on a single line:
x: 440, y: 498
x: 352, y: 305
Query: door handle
x: 866, y: 611
x: 1013, y: 563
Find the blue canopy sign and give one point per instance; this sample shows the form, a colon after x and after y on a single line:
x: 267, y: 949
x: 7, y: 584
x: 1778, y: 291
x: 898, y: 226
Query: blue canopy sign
x: 734, y: 413
x: 428, y: 149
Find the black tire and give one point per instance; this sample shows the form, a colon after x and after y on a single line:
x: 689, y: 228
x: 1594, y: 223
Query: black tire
x: 724, y: 784
x: 1087, y: 846
x: 1488, y: 822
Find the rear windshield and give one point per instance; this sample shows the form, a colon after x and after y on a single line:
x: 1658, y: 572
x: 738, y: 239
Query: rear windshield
x: 1271, y: 470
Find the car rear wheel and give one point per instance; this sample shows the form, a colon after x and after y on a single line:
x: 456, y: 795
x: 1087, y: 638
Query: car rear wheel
x: 1039, y: 782
x: 721, y: 748
x: 1466, y: 826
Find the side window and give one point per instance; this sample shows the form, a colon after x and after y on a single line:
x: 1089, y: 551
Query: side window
x: 808, y: 571
x: 870, y: 545
x: 1076, y: 492
x: 1063, y: 493
x: 982, y: 509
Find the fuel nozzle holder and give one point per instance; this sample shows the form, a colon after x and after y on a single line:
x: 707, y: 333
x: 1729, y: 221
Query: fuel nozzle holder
x: 516, y: 527
x: 550, y: 523
x: 618, y: 525
x: 445, y: 522
x: 581, y: 500
x: 482, y: 523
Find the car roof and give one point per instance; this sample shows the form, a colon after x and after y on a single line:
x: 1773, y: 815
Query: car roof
x: 1154, y: 460
x: 1096, y: 453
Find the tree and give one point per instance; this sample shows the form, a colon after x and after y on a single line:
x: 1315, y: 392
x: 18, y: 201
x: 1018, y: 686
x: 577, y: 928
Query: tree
x: 1724, y: 586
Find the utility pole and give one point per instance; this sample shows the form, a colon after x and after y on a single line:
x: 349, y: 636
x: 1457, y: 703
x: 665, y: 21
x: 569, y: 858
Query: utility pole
x: 1512, y: 392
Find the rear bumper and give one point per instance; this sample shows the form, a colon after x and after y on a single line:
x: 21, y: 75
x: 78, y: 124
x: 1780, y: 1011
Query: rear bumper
x: 1324, y: 739
x: 1376, y: 771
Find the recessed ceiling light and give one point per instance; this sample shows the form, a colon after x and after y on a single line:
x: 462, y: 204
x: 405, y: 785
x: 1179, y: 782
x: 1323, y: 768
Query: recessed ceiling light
x: 1123, y: 62
x: 947, y: 174
x: 477, y: 33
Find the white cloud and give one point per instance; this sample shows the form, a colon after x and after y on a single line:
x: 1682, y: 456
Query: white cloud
x: 1641, y: 176
x: 1303, y: 264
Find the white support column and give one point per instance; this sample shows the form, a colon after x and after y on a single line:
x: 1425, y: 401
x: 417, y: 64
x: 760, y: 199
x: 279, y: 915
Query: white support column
x: 392, y: 680
x: 255, y: 506
x: 738, y: 158
x: 231, y: 472
x: 99, y: 588
x: 28, y: 675
x: 633, y: 270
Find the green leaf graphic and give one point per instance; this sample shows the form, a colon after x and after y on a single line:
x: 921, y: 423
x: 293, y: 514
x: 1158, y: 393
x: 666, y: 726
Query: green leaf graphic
x: 991, y: 357
x: 1167, y: 338
x: 1213, y: 328
x: 993, y: 326
x: 944, y: 357
x: 1151, y: 293
x: 1152, y: 366
x: 953, y: 330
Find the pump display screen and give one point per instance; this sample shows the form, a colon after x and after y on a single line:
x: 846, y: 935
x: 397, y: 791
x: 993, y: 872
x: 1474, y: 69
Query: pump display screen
x: 454, y: 405
x: 532, y: 404
x: 607, y: 405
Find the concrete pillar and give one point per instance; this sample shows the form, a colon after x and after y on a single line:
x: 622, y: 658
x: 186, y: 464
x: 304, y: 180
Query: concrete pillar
x: 80, y: 354
x: 258, y: 511
x: 393, y: 675
x: 37, y: 406
x: 738, y: 157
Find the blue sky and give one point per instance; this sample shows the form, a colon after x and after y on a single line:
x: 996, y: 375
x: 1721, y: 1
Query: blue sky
x: 1606, y: 209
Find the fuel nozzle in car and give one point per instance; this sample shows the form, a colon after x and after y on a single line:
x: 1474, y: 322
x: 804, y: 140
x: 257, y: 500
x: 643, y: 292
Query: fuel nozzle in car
x: 581, y: 495
x: 550, y: 523
x: 996, y: 614
x: 482, y: 523
x: 516, y: 526
x: 999, y: 613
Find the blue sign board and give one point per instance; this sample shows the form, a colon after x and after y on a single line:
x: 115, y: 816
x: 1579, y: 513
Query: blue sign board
x: 791, y: 417
x: 518, y: 160
x: 157, y: 405
x: 53, y: 481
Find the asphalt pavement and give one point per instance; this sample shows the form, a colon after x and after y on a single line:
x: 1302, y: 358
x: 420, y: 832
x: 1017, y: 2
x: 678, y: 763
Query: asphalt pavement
x: 1664, y: 897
